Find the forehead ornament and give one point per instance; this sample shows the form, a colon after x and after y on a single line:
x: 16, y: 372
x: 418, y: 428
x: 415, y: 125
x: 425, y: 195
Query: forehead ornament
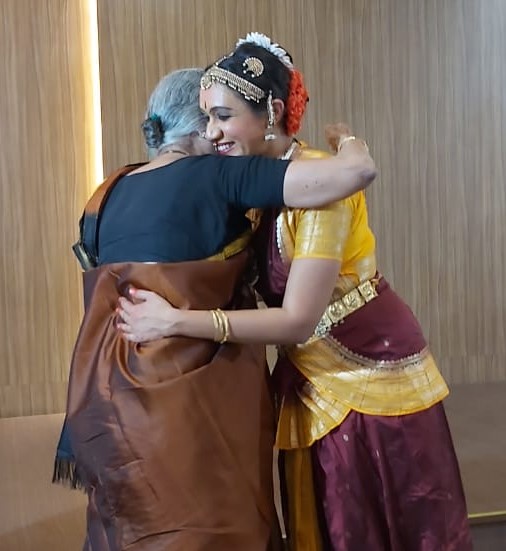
x: 218, y: 75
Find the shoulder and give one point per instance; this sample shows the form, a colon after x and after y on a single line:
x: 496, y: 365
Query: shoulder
x: 203, y: 167
x: 231, y: 164
x: 307, y: 152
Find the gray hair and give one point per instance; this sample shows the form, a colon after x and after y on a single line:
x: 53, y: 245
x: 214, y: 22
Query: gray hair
x: 173, y: 110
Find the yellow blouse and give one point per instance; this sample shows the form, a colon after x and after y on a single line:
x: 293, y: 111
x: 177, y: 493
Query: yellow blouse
x: 338, y: 380
x: 338, y: 231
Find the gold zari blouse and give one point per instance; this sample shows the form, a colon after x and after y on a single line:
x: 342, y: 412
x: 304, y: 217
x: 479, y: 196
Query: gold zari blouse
x: 338, y: 380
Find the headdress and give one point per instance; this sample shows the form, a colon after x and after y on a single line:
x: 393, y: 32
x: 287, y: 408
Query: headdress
x: 265, y: 42
x: 246, y: 88
x: 297, y: 94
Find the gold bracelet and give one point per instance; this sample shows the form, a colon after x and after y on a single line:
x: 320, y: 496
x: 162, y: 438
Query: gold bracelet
x: 225, y: 325
x: 218, y: 331
x: 349, y: 139
x: 221, y: 326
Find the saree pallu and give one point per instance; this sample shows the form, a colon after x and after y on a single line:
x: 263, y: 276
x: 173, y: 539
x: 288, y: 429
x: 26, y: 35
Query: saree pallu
x: 173, y: 438
x: 368, y: 460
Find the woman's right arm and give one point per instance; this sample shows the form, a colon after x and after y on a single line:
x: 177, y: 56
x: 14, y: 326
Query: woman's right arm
x: 261, y: 182
x: 314, y: 183
x: 308, y: 291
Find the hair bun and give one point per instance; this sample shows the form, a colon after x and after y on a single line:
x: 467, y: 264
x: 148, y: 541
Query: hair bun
x: 295, y: 103
x: 153, y: 131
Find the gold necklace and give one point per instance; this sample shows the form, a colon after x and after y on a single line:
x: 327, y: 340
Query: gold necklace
x: 289, y: 152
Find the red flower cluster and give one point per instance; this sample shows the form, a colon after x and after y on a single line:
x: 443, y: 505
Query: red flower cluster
x: 296, y: 103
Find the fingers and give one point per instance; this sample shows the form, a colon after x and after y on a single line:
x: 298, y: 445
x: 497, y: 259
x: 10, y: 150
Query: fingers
x: 126, y: 332
x: 140, y: 294
x: 344, y: 129
x: 127, y: 310
x: 130, y: 337
x: 334, y: 133
x: 121, y: 317
x: 125, y: 314
x: 126, y: 306
x: 332, y: 137
x: 338, y: 129
x: 123, y: 327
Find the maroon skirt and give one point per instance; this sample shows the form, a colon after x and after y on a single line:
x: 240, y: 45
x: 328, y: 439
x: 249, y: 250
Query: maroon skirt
x: 387, y: 483
x: 390, y: 484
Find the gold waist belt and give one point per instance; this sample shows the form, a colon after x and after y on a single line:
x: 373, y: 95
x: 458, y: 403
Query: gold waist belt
x: 350, y: 302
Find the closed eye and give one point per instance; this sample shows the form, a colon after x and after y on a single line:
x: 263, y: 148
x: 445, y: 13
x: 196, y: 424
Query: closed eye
x: 220, y: 112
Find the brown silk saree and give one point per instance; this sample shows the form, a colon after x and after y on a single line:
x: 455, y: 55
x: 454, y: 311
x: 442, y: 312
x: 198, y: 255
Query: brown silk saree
x: 173, y: 438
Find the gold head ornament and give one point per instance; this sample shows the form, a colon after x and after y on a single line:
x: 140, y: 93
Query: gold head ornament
x: 218, y: 75
x: 254, y: 66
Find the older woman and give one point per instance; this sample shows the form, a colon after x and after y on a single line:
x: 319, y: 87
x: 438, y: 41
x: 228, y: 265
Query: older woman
x: 368, y: 462
x: 173, y: 440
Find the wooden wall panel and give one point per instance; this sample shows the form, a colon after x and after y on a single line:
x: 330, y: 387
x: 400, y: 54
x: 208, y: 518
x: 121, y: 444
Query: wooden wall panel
x: 422, y: 81
x: 45, y: 177
x: 140, y: 41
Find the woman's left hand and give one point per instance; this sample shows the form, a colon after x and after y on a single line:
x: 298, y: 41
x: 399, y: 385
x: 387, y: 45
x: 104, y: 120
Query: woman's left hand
x: 147, y: 319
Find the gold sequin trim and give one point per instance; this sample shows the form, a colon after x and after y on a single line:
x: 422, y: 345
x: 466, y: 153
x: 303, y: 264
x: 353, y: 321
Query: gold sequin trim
x: 338, y: 381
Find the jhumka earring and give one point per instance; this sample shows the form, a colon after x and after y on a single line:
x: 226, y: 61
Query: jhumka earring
x: 269, y: 136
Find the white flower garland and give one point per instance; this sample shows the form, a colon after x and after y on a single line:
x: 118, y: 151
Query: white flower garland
x: 265, y: 42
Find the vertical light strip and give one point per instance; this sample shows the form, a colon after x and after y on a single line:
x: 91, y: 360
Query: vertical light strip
x: 95, y: 82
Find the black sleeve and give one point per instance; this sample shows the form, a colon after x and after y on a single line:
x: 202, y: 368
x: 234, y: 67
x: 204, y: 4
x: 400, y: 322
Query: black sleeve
x: 251, y: 182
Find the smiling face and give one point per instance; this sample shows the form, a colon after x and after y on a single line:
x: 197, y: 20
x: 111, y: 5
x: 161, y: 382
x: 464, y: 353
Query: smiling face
x: 233, y: 127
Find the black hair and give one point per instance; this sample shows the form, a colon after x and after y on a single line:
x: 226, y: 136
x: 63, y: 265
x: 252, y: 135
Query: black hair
x: 275, y: 78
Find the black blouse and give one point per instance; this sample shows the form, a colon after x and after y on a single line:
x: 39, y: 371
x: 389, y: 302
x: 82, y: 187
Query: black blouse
x: 187, y: 210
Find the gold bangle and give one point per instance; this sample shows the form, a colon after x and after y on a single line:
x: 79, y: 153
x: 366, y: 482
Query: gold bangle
x: 349, y: 139
x: 218, y: 331
x: 344, y: 140
x: 221, y: 326
x: 225, y: 325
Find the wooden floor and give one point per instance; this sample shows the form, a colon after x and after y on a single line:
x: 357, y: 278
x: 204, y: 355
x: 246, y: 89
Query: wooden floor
x: 477, y: 416
x: 38, y: 516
